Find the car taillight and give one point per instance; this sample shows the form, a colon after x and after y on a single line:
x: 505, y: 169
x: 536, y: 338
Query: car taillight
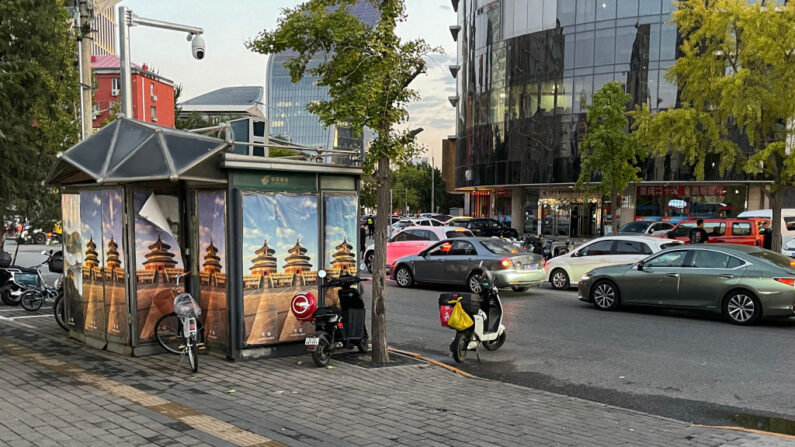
x: 192, y: 326
x: 505, y: 263
x: 49, y: 234
x: 339, y: 325
x: 787, y: 281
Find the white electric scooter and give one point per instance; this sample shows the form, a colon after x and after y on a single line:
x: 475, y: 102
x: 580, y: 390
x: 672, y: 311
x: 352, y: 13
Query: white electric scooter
x: 485, y: 308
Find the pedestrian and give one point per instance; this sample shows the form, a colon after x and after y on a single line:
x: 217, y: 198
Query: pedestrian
x: 370, y: 225
x: 699, y: 235
x: 362, y: 239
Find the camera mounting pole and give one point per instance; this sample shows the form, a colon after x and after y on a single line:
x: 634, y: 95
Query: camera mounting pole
x: 126, y: 20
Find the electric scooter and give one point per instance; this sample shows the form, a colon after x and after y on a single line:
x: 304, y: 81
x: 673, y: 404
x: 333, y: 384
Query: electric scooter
x: 335, y: 327
x: 485, y: 308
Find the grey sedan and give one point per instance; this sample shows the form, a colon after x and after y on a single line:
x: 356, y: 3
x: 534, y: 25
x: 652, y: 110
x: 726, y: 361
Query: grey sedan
x: 457, y: 261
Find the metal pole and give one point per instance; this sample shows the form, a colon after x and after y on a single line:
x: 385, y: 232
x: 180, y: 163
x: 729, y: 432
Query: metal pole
x: 433, y: 210
x: 80, y: 85
x: 124, y: 55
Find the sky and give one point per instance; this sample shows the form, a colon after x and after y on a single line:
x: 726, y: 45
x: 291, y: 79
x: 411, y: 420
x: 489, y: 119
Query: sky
x: 229, y: 24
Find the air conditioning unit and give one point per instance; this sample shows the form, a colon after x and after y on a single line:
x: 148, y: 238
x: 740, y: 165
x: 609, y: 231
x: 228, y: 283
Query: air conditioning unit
x: 114, y: 92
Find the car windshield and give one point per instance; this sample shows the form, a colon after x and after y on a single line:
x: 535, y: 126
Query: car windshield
x: 774, y: 258
x: 634, y: 227
x: 498, y: 247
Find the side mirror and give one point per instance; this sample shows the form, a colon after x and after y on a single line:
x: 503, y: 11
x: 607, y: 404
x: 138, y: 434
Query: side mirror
x: 44, y: 252
x: 389, y: 239
x: 322, y: 273
x: 640, y: 266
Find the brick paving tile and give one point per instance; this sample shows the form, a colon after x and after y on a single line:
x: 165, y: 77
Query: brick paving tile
x: 105, y: 398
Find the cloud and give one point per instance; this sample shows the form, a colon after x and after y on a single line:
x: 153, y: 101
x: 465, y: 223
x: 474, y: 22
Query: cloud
x: 285, y: 233
x: 97, y: 201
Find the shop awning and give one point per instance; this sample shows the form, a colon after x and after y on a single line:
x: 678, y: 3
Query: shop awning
x: 127, y: 151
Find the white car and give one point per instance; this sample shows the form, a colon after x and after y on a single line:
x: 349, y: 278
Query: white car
x: 565, y: 271
x: 402, y: 224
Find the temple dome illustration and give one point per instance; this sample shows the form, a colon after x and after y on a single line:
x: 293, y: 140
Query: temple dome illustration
x: 113, y: 260
x: 265, y: 262
x: 159, y: 258
x: 298, y: 261
x: 343, y: 258
x: 92, y: 257
x: 212, y: 262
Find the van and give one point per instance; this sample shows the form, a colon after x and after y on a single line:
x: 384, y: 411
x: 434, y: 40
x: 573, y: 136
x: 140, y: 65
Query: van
x: 787, y: 222
x: 744, y: 231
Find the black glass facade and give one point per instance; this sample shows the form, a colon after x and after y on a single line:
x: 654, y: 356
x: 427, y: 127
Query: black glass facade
x: 529, y: 67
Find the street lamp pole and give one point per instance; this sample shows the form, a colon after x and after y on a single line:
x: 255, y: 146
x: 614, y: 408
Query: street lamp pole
x: 433, y: 210
x: 128, y: 19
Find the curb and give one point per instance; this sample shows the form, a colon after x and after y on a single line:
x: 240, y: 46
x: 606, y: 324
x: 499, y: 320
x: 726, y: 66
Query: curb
x: 745, y: 430
x: 432, y: 361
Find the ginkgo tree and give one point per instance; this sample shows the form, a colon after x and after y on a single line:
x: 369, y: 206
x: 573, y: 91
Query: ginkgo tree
x: 735, y: 75
x: 367, y: 70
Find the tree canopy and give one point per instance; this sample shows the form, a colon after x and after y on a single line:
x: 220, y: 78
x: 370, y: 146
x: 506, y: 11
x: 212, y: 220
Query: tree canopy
x: 735, y: 77
x: 608, y: 151
x: 367, y: 70
x: 38, y: 98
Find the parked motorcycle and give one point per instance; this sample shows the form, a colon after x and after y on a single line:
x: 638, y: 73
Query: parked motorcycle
x: 548, y: 248
x: 14, y: 279
x: 335, y: 327
x: 34, y: 236
x: 485, y: 308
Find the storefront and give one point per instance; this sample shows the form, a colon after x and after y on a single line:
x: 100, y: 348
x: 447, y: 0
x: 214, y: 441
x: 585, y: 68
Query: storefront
x: 675, y: 202
x: 143, y: 204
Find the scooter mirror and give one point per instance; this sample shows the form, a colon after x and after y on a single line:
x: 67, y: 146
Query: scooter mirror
x: 362, y: 266
x: 44, y: 252
x: 321, y: 273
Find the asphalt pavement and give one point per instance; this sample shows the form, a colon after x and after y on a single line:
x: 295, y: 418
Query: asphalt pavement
x: 688, y: 366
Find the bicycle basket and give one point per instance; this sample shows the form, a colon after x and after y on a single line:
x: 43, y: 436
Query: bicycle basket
x: 185, y: 306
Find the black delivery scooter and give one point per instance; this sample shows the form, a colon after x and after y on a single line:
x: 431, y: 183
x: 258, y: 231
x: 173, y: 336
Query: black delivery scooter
x: 335, y: 327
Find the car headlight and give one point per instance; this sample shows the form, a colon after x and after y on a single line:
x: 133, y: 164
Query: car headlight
x: 587, y: 275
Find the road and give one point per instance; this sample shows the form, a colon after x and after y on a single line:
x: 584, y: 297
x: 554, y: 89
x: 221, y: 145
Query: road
x: 689, y: 366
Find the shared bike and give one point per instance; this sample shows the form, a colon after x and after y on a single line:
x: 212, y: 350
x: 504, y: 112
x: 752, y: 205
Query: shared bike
x: 181, y: 332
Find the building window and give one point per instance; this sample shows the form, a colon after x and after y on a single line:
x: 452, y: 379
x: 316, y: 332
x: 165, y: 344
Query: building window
x: 153, y: 113
x: 114, y: 88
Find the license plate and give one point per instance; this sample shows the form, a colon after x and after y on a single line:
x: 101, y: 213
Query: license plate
x: 312, y: 341
x: 530, y: 266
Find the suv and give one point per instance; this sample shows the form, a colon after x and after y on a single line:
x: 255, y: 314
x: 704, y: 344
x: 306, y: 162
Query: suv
x: 725, y: 230
x: 488, y: 228
x: 413, y: 240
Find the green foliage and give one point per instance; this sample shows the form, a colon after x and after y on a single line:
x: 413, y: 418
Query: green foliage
x: 115, y: 109
x: 412, y: 186
x: 607, y: 148
x: 737, y: 72
x: 367, y: 70
x: 38, y: 97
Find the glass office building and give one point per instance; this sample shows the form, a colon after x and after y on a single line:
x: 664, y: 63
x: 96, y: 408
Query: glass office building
x: 526, y: 70
x: 287, y: 101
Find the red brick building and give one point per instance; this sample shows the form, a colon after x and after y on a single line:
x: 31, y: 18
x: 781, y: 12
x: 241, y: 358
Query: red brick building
x: 152, y: 94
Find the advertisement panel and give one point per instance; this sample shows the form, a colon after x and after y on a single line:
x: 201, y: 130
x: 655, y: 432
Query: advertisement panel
x: 113, y: 271
x: 212, y: 266
x: 73, y: 261
x: 341, y: 239
x: 280, y: 257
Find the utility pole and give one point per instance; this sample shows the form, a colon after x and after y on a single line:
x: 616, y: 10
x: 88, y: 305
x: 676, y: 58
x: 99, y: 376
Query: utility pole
x: 85, y: 14
x: 433, y: 210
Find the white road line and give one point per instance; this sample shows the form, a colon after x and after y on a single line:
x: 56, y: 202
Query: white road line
x: 29, y: 316
x: 16, y: 322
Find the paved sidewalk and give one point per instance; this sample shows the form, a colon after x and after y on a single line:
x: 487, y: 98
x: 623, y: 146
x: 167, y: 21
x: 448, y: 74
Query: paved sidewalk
x: 57, y: 392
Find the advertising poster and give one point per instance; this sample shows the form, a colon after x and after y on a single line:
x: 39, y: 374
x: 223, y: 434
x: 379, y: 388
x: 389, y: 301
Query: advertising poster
x: 113, y: 278
x: 341, y: 239
x: 93, y: 261
x: 73, y: 261
x: 158, y: 258
x: 212, y: 266
x: 280, y: 257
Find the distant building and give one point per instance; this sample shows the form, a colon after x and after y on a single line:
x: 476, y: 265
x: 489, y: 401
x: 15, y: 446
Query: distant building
x: 226, y: 104
x: 152, y: 94
x: 105, y: 32
x: 287, y: 100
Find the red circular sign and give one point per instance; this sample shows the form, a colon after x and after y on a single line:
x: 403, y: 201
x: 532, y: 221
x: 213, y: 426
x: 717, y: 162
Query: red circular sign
x: 303, y: 305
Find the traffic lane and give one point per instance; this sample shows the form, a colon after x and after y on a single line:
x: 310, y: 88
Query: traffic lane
x: 29, y: 255
x: 558, y: 343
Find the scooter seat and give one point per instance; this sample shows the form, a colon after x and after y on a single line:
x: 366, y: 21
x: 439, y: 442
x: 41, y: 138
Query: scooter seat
x: 327, y: 311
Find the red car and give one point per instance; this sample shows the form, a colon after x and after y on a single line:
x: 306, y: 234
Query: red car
x: 413, y: 240
x: 724, y: 230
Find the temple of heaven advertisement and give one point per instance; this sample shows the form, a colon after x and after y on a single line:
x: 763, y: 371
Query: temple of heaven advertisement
x: 212, y: 266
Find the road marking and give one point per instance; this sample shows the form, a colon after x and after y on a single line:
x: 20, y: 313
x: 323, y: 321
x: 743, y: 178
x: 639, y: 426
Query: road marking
x: 747, y: 430
x: 30, y: 316
x: 2, y: 318
x: 186, y: 415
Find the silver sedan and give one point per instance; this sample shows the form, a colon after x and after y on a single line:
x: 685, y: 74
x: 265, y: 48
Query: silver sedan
x: 458, y: 261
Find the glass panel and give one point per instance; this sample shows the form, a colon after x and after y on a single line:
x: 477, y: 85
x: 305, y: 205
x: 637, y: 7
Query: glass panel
x: 600, y: 80
x: 73, y: 261
x: 654, y: 42
x: 568, y: 51
x: 93, y: 262
x: 114, y: 272
x: 605, y: 44
x: 627, y: 8
x: 566, y: 10
x: 625, y: 38
x: 668, y: 42
x: 670, y: 259
x: 564, y: 100
x: 667, y: 93
x: 707, y: 259
x: 280, y: 258
x: 649, y: 7
x: 586, y: 10
x: 147, y: 162
x: 584, y: 49
x: 605, y: 9
x: 212, y: 265
x: 583, y: 86
x: 741, y: 229
x: 598, y: 248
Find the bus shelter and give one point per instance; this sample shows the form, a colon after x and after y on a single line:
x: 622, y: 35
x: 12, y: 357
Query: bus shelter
x: 142, y: 204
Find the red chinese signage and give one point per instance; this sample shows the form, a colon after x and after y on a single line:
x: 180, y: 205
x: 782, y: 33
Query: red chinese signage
x: 681, y: 191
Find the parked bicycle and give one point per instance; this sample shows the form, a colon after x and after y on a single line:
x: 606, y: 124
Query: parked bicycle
x: 181, y: 332
x: 34, y: 291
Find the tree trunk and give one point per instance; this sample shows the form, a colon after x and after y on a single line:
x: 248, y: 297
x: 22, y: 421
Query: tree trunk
x: 776, y: 200
x: 383, y: 176
x: 613, y: 211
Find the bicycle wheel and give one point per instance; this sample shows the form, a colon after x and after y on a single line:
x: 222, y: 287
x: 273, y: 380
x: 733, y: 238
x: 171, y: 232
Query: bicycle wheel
x: 32, y: 300
x: 59, y: 309
x: 193, y: 354
x: 168, y: 332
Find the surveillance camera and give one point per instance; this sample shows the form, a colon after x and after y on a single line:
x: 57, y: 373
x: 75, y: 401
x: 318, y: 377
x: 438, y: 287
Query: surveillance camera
x: 197, y: 47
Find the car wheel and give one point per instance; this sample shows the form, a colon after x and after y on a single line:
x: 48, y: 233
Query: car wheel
x: 473, y: 282
x: 519, y: 288
x: 605, y: 296
x: 403, y: 276
x: 559, y: 279
x: 742, y: 307
x: 368, y: 261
